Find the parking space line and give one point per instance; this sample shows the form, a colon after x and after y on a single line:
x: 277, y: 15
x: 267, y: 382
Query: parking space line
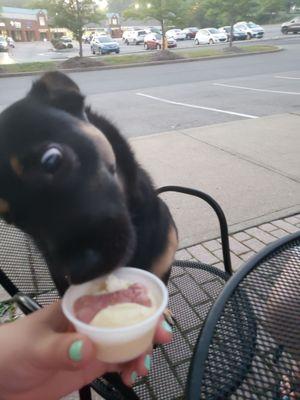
x: 286, y: 77
x: 256, y: 90
x: 176, y: 103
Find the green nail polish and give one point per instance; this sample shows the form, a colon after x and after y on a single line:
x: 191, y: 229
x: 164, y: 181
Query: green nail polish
x: 166, y: 326
x: 75, y: 350
x: 147, y: 362
x: 134, y: 377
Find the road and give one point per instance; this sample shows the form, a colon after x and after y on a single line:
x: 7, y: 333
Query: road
x: 43, y: 51
x: 153, y: 99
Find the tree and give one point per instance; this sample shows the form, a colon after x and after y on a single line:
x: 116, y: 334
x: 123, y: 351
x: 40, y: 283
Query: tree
x: 164, y: 11
x: 118, y: 6
x: 71, y: 14
x: 74, y: 15
x: 269, y: 6
x: 228, y: 12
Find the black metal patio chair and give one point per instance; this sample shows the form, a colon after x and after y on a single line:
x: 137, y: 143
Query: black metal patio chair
x: 193, y: 288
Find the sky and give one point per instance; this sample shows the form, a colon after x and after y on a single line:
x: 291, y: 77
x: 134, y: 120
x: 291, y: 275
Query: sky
x: 102, y: 3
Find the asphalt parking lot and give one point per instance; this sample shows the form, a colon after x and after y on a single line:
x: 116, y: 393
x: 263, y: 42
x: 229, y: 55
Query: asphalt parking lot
x: 196, y: 94
x: 43, y: 51
x: 149, y: 100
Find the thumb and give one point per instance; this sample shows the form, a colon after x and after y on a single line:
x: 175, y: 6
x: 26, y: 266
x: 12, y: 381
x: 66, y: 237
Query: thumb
x: 67, y: 351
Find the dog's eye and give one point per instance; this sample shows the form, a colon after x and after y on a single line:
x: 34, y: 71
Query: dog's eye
x: 51, y: 159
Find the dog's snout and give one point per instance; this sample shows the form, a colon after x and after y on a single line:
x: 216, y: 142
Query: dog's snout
x: 84, y: 266
x: 95, y: 249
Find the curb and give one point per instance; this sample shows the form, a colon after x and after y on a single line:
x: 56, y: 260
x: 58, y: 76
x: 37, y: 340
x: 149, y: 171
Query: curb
x: 149, y: 63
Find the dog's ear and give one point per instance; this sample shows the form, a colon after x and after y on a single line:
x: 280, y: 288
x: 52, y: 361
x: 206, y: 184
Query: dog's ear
x: 58, y: 90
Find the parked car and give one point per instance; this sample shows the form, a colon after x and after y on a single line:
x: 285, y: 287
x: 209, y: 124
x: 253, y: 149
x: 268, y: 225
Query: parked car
x: 209, y: 36
x: 153, y: 29
x: 64, y: 42
x: 190, y: 33
x: 291, y: 26
x: 88, y: 39
x: 67, y: 41
x: 237, y: 33
x: 10, y: 42
x: 251, y: 29
x: 134, y: 36
x: 3, y: 44
x: 177, y: 34
x: 104, y: 45
x: 154, y: 41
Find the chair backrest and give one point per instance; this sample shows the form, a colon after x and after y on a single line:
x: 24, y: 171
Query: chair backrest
x: 22, y: 267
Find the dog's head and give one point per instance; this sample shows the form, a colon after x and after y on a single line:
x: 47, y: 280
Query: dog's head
x: 59, y: 182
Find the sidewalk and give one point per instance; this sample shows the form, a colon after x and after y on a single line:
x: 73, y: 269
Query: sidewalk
x: 243, y: 245
x: 250, y: 167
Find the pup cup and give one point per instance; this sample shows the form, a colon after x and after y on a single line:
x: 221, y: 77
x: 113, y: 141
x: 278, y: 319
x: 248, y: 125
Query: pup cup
x: 122, y: 344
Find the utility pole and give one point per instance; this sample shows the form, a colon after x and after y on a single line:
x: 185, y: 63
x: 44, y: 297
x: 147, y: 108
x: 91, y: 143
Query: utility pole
x: 163, y: 28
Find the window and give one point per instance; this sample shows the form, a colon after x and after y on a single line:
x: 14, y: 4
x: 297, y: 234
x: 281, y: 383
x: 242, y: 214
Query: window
x: 42, y: 21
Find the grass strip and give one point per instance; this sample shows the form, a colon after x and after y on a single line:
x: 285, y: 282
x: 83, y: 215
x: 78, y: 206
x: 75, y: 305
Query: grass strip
x: 108, y: 60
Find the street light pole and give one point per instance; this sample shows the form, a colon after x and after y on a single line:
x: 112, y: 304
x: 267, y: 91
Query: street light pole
x: 79, y: 28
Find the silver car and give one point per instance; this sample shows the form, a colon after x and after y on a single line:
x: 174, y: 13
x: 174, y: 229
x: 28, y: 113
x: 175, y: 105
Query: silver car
x: 3, y: 44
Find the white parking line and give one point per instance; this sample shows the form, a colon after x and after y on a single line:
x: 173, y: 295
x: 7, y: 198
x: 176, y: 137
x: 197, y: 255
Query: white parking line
x: 286, y: 77
x: 176, y: 103
x: 256, y: 90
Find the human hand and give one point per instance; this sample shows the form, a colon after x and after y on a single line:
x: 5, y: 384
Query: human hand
x: 41, y: 358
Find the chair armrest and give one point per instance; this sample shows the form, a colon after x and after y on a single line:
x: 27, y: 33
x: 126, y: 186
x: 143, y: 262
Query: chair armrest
x: 220, y: 214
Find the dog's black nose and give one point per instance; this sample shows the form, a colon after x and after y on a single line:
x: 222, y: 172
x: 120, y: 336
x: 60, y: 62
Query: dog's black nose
x: 85, y: 266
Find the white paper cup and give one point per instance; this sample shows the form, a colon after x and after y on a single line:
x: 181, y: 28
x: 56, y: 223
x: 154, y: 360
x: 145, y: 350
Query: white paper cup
x: 117, y: 345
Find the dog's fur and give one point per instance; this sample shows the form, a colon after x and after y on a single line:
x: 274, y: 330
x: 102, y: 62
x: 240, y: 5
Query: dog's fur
x: 89, y: 206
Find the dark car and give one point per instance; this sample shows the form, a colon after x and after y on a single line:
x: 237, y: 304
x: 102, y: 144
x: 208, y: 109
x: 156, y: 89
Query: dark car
x: 3, y: 44
x: 190, y: 32
x: 291, y: 26
x: 237, y: 34
x: 104, y: 45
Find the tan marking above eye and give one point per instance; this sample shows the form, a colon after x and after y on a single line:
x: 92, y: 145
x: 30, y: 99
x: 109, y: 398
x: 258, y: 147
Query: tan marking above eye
x: 16, y: 166
x: 100, y: 141
x: 4, y: 206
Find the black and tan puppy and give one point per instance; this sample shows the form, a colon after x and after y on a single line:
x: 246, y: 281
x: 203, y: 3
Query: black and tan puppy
x: 70, y: 180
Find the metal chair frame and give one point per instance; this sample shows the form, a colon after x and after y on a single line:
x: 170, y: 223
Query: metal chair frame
x: 197, y: 366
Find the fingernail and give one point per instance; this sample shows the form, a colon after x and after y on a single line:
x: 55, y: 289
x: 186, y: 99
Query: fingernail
x: 147, y: 362
x: 166, y: 326
x: 75, y: 350
x: 134, y: 377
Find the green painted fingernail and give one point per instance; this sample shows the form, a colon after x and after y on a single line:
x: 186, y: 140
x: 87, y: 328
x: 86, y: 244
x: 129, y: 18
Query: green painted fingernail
x: 147, y: 362
x: 166, y: 326
x: 75, y: 350
x: 134, y: 377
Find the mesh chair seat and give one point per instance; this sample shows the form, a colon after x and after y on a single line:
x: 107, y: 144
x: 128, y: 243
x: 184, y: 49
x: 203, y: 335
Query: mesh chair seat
x: 193, y: 288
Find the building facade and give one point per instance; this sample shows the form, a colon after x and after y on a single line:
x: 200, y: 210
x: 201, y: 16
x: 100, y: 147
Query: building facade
x: 23, y: 24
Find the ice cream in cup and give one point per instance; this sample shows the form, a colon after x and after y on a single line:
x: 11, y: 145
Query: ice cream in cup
x: 118, y: 312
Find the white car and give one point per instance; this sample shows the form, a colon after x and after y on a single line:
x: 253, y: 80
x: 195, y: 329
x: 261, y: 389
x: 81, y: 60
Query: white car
x: 209, y: 36
x: 134, y: 36
x: 251, y: 29
x: 177, y: 34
